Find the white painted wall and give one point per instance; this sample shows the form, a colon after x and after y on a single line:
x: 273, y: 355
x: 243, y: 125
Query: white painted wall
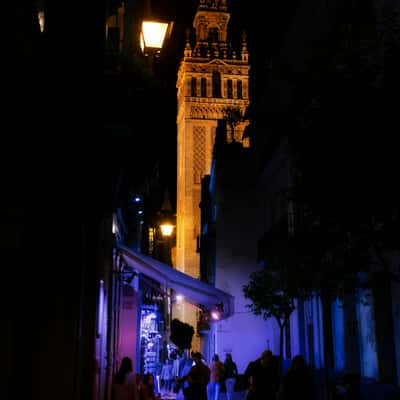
x: 238, y: 229
x: 244, y: 335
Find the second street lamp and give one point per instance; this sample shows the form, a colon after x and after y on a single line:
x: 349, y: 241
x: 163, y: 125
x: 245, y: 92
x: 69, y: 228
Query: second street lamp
x: 165, y: 223
x: 167, y: 229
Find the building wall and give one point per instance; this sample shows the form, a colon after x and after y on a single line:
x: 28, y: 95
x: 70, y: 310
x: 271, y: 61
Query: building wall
x: 238, y: 226
x: 338, y: 337
x: 128, y: 326
x: 396, y: 319
x: 355, y: 326
x: 367, y: 336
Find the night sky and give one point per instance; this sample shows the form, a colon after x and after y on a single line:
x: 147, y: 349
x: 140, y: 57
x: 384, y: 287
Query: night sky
x: 267, y: 29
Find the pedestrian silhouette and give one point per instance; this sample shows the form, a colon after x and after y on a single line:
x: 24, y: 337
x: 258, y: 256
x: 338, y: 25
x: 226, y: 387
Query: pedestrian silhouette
x: 262, y: 378
x: 197, y: 379
x: 217, y: 370
x: 298, y: 383
x: 231, y: 373
x: 147, y: 391
x: 125, y: 386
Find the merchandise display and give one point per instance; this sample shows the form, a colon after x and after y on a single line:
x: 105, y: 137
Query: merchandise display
x: 150, y: 338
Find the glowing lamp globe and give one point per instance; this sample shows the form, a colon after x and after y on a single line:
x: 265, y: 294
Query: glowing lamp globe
x: 153, y: 35
x: 166, y: 229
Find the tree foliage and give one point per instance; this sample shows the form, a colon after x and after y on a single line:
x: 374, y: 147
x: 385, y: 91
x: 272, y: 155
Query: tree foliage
x: 181, y: 334
x: 273, y: 293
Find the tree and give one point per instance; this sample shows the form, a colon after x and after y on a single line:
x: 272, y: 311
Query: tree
x: 273, y: 292
x: 181, y: 334
x: 233, y: 116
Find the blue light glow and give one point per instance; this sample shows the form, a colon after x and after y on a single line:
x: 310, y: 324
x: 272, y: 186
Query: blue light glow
x: 338, y: 336
x: 368, y: 351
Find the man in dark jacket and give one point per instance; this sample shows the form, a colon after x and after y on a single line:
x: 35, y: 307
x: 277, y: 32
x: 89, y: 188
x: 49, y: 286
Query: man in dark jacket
x: 197, y: 378
x: 262, y: 378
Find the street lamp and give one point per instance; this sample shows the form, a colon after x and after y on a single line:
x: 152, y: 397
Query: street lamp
x: 153, y: 34
x: 166, y: 226
x: 166, y: 229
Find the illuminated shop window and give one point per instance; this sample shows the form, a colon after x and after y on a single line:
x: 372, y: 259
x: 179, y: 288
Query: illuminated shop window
x: 150, y: 339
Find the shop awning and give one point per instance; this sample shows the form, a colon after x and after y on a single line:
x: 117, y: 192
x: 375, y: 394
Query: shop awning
x: 194, y: 290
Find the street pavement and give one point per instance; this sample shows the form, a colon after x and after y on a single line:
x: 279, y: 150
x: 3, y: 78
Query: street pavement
x: 222, y: 396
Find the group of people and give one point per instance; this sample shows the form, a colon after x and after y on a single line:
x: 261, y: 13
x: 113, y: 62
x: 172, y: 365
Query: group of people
x: 197, y: 380
x: 202, y: 381
x: 264, y: 383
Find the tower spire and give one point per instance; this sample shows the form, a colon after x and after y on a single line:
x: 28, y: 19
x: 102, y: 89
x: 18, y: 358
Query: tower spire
x: 188, y: 48
x: 245, y: 53
x: 211, y: 27
x: 166, y: 205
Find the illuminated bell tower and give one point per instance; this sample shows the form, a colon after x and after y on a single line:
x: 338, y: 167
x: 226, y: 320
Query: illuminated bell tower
x: 213, y: 84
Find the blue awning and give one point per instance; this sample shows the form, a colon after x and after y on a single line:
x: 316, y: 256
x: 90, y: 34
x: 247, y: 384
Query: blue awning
x: 195, y: 291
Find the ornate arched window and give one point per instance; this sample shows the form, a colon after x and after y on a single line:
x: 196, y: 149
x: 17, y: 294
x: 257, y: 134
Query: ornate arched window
x: 193, y: 87
x: 230, y: 89
x: 239, y: 89
x: 213, y: 35
x: 203, y: 87
x: 216, y: 84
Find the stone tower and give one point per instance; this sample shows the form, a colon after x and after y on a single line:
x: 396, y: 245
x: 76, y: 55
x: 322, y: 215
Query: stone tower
x: 213, y: 84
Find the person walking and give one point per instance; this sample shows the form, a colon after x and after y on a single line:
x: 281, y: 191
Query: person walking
x: 175, y: 356
x: 181, y: 385
x: 217, y: 370
x: 124, y: 386
x: 298, y: 383
x: 197, y: 379
x: 262, y: 377
x: 147, y: 391
x: 167, y: 376
x: 231, y: 373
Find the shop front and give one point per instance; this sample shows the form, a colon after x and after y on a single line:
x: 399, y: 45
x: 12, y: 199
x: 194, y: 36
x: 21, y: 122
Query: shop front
x: 156, y: 282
